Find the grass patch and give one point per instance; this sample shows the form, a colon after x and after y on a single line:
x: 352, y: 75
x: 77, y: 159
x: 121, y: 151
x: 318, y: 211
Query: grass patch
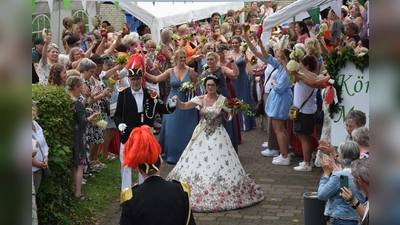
x: 102, y: 189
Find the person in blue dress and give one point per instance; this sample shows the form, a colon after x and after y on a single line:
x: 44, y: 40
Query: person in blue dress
x: 280, y: 98
x: 177, y: 128
x: 222, y: 72
x: 242, y: 84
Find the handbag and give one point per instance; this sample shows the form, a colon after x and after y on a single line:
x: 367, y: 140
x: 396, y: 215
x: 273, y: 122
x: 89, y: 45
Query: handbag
x: 259, y: 108
x: 294, y: 110
x: 45, y: 171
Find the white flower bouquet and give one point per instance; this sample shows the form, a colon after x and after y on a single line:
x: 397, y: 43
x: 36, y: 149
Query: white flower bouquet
x: 96, y: 20
x: 243, y: 48
x: 100, y: 122
x: 187, y: 87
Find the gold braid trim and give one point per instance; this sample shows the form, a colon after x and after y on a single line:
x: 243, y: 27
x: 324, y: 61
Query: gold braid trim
x: 166, y: 107
x: 186, y: 188
x: 126, y: 195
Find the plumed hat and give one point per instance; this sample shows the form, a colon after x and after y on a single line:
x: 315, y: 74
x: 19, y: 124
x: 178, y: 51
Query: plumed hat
x: 142, y: 150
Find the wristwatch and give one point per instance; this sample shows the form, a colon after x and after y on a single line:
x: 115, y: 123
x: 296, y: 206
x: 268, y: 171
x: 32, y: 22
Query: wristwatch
x: 232, y: 60
x: 356, y: 205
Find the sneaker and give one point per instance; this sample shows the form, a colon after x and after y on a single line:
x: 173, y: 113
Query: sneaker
x: 267, y: 152
x: 303, y: 163
x: 303, y: 168
x: 281, y: 161
x: 265, y: 144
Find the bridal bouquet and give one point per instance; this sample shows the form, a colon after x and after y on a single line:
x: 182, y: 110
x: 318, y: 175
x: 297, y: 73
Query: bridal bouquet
x: 161, y: 58
x: 236, y: 105
x: 122, y: 58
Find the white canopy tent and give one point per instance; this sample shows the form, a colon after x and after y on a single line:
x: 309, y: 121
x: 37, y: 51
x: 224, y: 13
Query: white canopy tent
x: 156, y: 16
x: 164, y: 14
x: 296, y: 11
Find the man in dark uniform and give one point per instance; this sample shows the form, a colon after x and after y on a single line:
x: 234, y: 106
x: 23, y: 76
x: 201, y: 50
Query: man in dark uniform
x: 155, y: 201
x: 136, y: 106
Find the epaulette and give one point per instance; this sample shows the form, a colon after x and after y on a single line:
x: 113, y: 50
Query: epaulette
x: 122, y: 89
x: 127, y: 194
x: 185, y: 186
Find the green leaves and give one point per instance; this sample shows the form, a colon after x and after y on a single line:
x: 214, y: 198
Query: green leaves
x: 55, y: 115
x: 335, y: 61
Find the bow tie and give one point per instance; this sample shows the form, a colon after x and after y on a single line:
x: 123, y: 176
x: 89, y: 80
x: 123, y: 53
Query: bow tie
x: 136, y: 92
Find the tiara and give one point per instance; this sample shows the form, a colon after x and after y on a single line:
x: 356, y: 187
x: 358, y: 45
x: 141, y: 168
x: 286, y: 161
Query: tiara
x: 213, y: 76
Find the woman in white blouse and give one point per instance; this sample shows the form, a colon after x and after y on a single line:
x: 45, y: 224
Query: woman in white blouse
x: 39, y: 144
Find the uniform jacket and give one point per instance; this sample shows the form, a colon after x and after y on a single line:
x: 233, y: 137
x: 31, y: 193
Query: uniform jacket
x: 156, y: 201
x: 127, y: 111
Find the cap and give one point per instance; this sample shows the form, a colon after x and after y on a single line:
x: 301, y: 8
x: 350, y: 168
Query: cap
x: 72, y: 40
x: 38, y: 41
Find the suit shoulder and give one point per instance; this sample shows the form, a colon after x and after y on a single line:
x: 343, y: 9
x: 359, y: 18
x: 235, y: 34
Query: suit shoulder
x: 121, y: 89
x: 185, y: 186
x: 127, y: 193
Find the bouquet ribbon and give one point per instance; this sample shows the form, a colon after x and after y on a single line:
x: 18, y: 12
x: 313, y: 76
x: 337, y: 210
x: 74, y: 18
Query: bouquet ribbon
x: 330, y: 92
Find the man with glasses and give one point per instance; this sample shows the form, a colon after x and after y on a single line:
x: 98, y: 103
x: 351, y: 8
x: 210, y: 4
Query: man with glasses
x: 136, y: 106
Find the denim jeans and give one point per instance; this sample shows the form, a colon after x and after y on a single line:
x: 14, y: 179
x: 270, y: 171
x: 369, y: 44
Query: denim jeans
x: 345, y: 222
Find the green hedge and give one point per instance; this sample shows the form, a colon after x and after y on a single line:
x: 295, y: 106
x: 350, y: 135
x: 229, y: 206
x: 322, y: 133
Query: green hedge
x: 54, y: 198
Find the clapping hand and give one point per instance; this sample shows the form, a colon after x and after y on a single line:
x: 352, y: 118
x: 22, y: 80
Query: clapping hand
x: 327, y: 165
x: 325, y: 147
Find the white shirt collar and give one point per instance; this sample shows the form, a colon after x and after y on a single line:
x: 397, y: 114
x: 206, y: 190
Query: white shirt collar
x: 137, y: 92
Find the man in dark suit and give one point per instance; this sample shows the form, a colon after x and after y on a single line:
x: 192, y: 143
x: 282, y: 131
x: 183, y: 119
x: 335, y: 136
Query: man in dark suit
x: 136, y: 106
x: 155, y: 201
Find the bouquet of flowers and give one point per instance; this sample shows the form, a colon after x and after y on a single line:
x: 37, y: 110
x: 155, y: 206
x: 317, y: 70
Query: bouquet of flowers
x: 46, y: 32
x: 187, y: 86
x: 253, y: 60
x: 293, y: 64
x: 96, y: 20
x: 322, y: 28
x: 236, y: 105
x: 252, y: 33
x: 205, y: 67
x: 246, y: 27
x: 152, y: 55
x: 104, y: 32
x: 112, y: 81
x: 161, y: 58
x: 97, y: 35
x: 243, y: 48
x: 102, y: 124
x: 175, y: 38
x: 122, y: 58
x: 202, y: 39
x: 215, y: 36
x: 186, y: 38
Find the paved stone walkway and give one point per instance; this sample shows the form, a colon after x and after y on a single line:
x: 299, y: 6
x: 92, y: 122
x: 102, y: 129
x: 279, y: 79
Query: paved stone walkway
x: 282, y: 186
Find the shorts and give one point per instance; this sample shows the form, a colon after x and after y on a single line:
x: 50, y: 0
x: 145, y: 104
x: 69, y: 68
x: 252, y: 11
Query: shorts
x: 304, y: 124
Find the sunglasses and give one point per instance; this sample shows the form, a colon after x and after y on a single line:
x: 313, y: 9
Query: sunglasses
x: 193, y: 35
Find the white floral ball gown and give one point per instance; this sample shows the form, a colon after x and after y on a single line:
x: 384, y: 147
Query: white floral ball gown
x: 210, y: 165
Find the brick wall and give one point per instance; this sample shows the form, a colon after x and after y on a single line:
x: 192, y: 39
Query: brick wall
x: 115, y: 16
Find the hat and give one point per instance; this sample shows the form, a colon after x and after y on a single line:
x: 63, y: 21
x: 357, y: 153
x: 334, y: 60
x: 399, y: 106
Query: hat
x: 135, y: 65
x: 38, y: 41
x: 135, y: 72
x: 72, y: 40
x: 142, y: 150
